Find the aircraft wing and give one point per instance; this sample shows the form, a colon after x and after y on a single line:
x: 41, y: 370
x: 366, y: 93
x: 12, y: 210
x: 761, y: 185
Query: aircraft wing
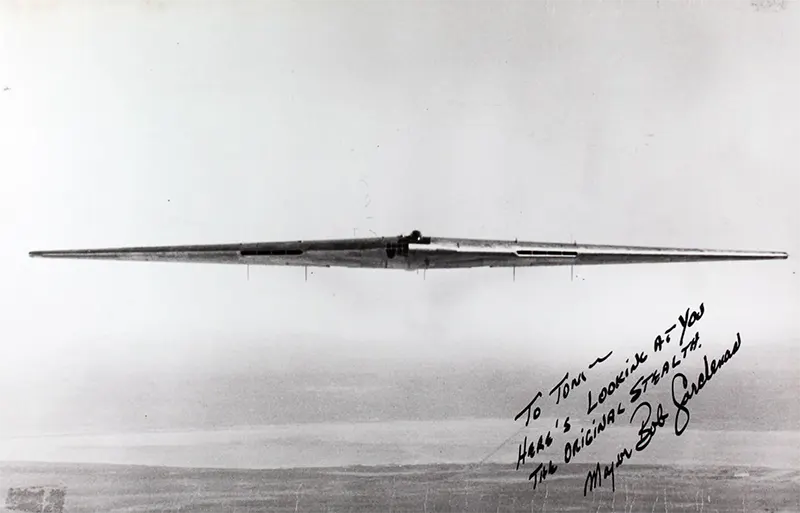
x: 357, y: 252
x: 412, y: 252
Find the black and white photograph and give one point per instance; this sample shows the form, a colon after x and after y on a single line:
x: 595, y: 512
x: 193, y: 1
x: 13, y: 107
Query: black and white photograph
x: 426, y: 256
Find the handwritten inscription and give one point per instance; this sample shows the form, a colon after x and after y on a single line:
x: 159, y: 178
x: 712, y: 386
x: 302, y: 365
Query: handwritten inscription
x: 682, y: 415
x: 612, y: 386
x: 686, y: 320
x: 608, y: 405
x: 563, y: 387
x: 640, y: 387
x: 588, y: 436
x: 532, y: 411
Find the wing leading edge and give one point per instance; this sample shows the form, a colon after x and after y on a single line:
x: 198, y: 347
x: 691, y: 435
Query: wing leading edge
x: 410, y: 252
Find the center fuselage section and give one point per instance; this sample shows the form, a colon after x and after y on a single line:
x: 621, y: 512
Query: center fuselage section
x: 412, y: 252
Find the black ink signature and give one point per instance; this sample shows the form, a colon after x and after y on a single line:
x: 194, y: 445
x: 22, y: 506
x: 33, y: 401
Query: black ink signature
x: 652, y: 418
x: 682, y: 415
x: 647, y: 431
x: 594, y: 478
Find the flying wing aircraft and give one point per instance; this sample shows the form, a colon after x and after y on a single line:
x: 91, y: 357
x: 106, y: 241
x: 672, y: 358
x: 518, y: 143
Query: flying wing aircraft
x: 409, y: 252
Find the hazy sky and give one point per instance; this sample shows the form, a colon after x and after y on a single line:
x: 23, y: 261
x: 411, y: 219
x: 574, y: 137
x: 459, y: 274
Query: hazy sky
x: 164, y: 122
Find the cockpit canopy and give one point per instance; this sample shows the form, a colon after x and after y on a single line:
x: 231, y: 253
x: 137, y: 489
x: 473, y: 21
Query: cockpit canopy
x: 401, y: 246
x: 417, y: 238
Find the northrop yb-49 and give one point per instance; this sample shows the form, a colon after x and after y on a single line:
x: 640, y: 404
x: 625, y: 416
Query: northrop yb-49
x: 410, y: 252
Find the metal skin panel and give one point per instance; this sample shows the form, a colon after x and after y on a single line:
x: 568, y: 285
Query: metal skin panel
x: 412, y: 252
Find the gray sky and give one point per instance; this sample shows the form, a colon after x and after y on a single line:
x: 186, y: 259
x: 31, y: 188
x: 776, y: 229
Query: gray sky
x: 674, y: 124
